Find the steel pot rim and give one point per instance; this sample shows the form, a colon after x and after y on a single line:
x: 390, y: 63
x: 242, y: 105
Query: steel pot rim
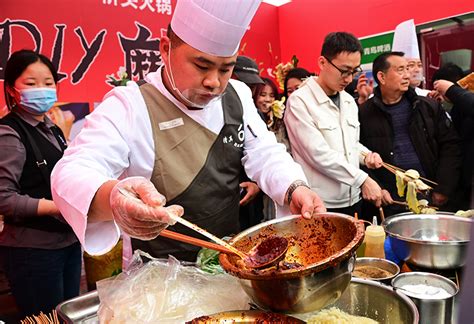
x: 409, y: 216
x: 347, y: 252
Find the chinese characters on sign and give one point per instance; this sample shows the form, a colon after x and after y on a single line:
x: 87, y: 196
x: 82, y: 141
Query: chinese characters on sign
x: 91, y: 48
x: 379, y: 49
x: 159, y: 6
x: 141, y: 54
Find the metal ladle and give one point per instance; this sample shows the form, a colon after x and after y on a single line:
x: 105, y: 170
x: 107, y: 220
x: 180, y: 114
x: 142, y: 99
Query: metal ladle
x: 265, y: 254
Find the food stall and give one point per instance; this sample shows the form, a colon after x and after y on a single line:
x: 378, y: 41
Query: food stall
x: 315, y: 274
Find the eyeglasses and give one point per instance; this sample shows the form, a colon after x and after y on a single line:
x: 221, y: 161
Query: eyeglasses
x: 345, y: 73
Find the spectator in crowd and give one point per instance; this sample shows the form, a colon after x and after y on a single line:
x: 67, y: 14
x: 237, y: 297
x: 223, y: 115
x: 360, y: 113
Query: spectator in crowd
x: 246, y: 70
x: 462, y: 114
x: 39, y: 252
x: 293, y: 80
x: 361, y: 89
x: 323, y: 127
x: 449, y: 72
x: 265, y: 99
x: 409, y: 131
x: 271, y: 111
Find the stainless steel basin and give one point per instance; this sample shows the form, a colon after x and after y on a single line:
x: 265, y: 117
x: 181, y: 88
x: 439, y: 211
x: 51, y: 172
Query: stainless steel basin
x: 376, y: 301
x: 433, y: 241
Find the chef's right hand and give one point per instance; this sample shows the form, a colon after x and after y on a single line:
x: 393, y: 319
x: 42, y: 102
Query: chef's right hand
x: 138, y: 208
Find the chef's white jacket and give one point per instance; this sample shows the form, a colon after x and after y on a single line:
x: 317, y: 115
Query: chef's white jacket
x: 324, y: 139
x: 117, y: 142
x: 422, y: 92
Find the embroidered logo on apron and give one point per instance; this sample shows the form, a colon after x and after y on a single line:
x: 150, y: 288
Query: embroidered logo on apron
x: 235, y: 139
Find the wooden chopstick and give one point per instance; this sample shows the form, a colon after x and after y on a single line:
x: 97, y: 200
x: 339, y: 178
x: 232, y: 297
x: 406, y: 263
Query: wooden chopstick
x: 194, y: 241
x: 403, y: 203
x: 393, y: 169
x: 401, y: 170
x: 382, y: 215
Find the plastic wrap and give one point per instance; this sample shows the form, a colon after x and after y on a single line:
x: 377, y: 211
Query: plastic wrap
x: 166, y: 291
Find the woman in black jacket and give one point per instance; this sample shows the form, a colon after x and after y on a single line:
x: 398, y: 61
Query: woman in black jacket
x: 39, y: 252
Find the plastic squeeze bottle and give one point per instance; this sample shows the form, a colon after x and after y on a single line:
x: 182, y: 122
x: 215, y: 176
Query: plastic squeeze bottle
x: 374, y: 240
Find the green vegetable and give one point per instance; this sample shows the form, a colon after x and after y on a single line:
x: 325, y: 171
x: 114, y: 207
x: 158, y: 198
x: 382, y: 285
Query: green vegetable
x: 208, y: 261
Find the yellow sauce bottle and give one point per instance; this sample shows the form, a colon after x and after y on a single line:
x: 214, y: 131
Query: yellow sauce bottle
x: 374, y: 240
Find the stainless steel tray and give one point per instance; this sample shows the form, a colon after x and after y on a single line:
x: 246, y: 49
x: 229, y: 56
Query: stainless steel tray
x: 82, y: 309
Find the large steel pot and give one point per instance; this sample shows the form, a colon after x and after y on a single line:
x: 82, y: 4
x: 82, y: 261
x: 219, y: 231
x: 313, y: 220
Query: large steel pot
x: 324, y: 246
x: 433, y: 241
x: 376, y: 301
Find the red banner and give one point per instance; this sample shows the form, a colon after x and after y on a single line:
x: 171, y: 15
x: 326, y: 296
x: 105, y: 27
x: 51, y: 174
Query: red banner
x: 88, y: 40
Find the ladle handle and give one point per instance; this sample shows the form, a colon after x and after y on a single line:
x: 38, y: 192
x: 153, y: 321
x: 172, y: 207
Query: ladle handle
x: 207, y: 234
x: 194, y: 241
x: 133, y: 195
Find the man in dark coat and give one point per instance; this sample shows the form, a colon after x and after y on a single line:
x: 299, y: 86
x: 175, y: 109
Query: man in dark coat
x: 409, y: 131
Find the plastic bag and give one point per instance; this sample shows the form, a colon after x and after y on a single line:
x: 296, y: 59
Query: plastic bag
x: 166, y: 291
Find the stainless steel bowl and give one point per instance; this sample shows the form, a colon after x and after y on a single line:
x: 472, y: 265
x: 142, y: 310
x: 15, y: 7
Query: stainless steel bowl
x: 376, y: 301
x: 433, y: 241
x: 366, y: 265
x: 324, y: 246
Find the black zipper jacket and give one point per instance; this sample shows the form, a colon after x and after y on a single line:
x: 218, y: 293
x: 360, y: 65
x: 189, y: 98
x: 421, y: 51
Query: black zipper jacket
x: 432, y: 134
x: 463, y: 120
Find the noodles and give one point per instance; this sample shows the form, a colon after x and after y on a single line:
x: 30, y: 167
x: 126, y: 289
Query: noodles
x: 334, y: 315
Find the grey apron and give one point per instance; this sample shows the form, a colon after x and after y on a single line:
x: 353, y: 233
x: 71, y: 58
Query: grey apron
x: 195, y: 168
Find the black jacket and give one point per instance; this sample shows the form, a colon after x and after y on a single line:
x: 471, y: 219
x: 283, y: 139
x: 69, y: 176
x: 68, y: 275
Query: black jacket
x: 463, y: 120
x: 432, y: 134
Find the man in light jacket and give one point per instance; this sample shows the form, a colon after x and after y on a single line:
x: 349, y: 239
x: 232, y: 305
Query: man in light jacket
x: 323, y: 128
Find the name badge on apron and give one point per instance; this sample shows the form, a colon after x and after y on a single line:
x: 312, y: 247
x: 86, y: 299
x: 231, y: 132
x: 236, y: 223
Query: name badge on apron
x: 171, y: 124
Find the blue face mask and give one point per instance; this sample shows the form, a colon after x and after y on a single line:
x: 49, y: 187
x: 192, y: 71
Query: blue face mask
x: 37, y: 101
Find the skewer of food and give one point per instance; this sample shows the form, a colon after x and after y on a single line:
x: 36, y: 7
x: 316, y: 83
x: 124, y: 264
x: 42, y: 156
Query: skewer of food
x: 408, y: 185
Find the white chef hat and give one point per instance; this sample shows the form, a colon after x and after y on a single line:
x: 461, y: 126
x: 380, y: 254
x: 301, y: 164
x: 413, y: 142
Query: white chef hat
x: 213, y: 26
x: 404, y: 40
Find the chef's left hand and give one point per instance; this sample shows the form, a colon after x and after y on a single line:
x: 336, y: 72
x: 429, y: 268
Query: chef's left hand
x: 306, y: 202
x: 252, y: 191
x: 373, y: 160
x: 439, y: 199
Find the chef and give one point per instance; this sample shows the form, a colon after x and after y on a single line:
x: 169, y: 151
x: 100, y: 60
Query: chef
x: 406, y: 41
x: 179, y: 139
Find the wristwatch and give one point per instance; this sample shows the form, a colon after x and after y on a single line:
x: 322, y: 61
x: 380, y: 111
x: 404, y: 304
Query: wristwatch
x: 292, y: 188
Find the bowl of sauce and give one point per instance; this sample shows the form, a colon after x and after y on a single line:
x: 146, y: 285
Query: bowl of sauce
x: 377, y: 269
